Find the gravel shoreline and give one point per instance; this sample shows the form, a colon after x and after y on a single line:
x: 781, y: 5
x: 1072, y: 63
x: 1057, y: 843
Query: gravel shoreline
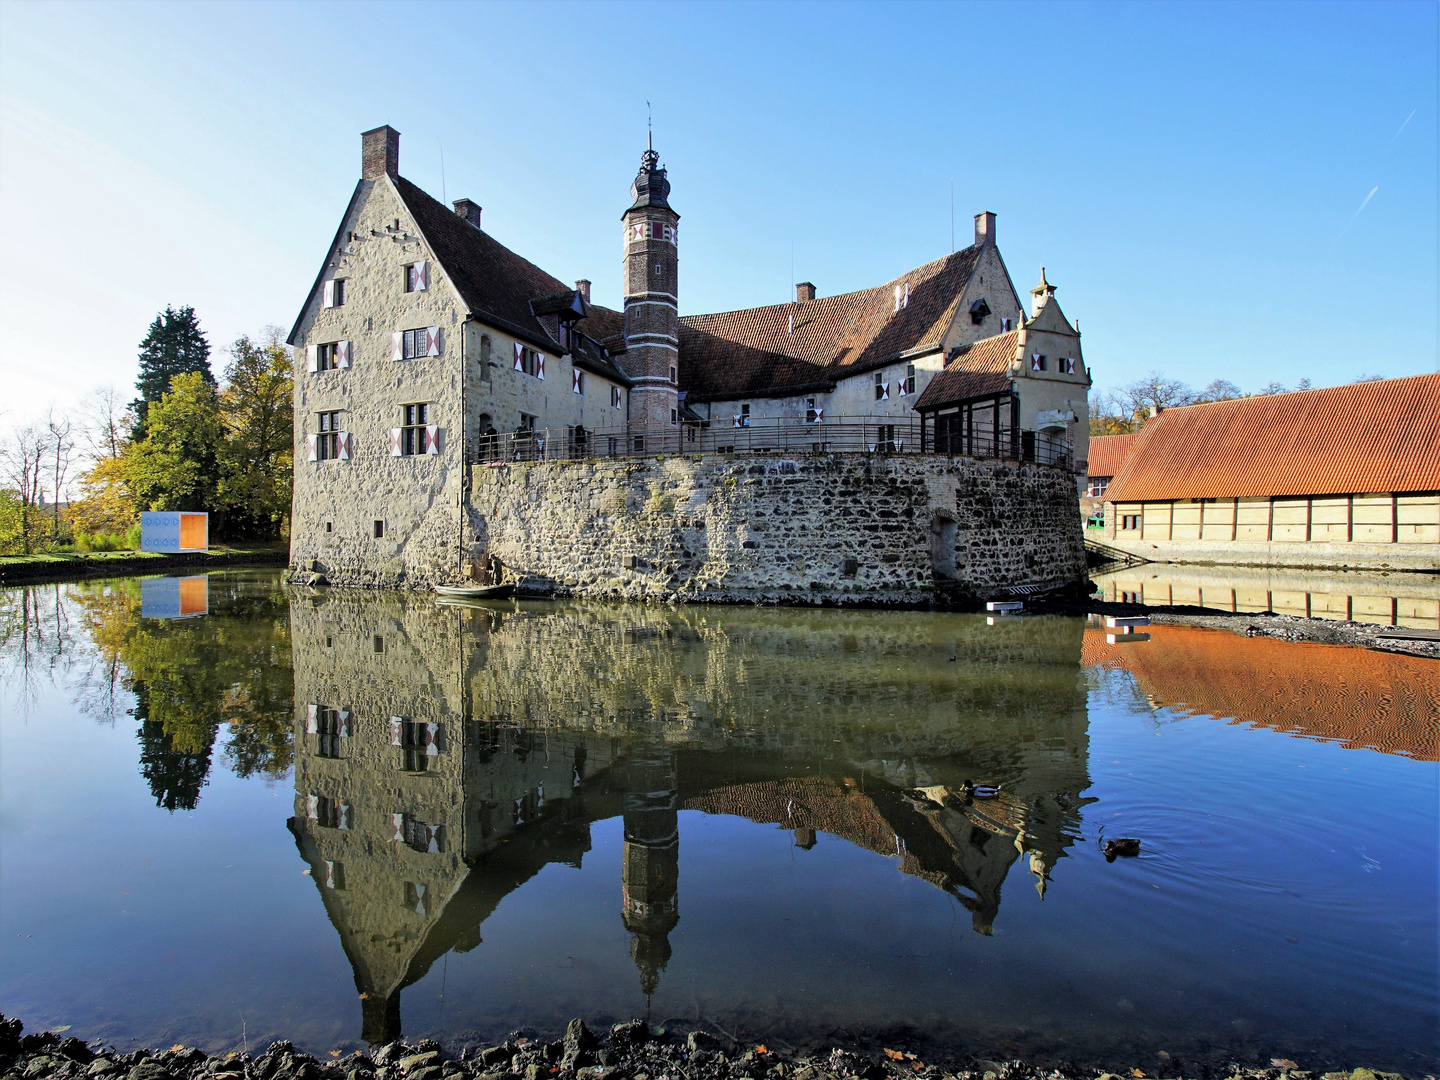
x: 629, y: 1051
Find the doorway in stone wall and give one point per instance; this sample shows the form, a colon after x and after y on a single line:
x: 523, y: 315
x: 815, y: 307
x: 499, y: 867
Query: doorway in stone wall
x: 942, y: 545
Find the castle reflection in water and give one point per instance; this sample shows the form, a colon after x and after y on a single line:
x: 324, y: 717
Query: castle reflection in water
x: 444, y: 755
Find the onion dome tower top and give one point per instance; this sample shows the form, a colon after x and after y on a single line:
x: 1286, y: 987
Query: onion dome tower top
x: 651, y: 188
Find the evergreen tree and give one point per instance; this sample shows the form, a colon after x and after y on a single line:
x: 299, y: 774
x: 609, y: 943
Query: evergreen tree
x: 173, y: 346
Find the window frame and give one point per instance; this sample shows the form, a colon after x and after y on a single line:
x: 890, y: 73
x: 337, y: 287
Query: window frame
x: 327, y: 435
x: 414, y: 418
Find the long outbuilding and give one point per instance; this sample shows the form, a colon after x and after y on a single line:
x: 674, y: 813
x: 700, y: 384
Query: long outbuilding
x: 1347, y: 476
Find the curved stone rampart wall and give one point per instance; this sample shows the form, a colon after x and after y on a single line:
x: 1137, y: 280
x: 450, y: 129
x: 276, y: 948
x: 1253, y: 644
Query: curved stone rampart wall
x: 822, y: 529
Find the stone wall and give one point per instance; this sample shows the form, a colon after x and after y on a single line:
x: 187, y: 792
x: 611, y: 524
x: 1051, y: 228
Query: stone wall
x: 822, y: 529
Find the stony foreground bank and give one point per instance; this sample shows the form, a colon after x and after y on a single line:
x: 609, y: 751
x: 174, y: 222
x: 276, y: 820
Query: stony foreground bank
x: 629, y: 1051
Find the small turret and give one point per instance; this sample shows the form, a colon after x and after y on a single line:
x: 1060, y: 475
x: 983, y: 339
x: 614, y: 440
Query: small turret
x: 1040, y: 294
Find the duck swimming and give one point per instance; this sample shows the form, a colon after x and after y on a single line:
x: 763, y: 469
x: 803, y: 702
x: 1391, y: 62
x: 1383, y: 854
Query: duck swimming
x: 1127, y: 847
x: 980, y: 791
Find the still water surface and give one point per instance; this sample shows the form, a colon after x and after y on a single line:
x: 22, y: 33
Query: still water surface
x: 338, y: 816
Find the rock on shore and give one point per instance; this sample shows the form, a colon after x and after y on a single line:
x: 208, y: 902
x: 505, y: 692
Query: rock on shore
x: 629, y: 1051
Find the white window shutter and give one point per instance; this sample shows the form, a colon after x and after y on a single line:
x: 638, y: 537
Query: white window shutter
x: 432, y: 439
x: 329, y: 294
x: 342, y: 445
x: 397, y: 826
x: 885, y: 392
x: 344, y: 731
x: 312, y: 358
x: 395, y: 442
x: 540, y: 365
x: 397, y: 728
x: 397, y: 346
x: 342, y: 354
x: 519, y: 357
x: 312, y: 807
x: 422, y: 275
x: 314, y: 452
x: 432, y: 739
x: 575, y: 380
x: 312, y: 719
x: 432, y: 341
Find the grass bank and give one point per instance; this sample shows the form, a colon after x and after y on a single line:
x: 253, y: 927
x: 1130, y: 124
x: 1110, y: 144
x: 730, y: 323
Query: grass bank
x: 23, y: 569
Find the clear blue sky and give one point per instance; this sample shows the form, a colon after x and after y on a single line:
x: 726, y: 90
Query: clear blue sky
x: 1189, y: 174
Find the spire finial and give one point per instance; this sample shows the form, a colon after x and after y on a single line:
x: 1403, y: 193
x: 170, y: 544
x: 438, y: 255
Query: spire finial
x: 649, y: 128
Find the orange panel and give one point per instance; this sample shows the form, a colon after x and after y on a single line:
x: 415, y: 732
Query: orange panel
x: 193, y: 532
x: 194, y: 595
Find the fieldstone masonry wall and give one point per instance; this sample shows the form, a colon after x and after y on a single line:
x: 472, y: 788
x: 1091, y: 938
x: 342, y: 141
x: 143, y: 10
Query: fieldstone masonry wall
x: 834, y: 529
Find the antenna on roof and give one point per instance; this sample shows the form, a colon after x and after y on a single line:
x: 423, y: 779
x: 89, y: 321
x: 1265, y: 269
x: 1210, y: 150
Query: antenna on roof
x: 443, y: 197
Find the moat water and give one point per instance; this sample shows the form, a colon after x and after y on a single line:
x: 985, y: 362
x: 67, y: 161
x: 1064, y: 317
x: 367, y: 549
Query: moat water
x: 232, y: 812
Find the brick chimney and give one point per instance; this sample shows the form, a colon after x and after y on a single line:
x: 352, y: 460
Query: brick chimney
x: 379, y: 153
x: 469, y: 210
x: 984, y: 229
x: 583, y: 288
x: 804, y: 291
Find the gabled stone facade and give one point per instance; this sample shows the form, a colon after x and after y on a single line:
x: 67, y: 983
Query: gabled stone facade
x: 431, y: 350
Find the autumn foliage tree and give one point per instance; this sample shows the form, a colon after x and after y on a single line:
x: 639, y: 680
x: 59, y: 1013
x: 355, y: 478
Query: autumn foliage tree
x: 256, y: 453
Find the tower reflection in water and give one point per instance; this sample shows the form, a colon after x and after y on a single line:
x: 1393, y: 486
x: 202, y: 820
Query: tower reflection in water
x: 445, y: 755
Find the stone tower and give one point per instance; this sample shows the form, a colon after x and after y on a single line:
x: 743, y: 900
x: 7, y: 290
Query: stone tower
x: 650, y: 873
x: 651, y: 307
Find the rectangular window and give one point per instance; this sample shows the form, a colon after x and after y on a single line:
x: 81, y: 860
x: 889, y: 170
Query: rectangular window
x: 417, y: 276
x: 674, y: 416
x: 530, y: 362
x: 338, y: 295
x: 329, y: 813
x: 1098, y: 486
x: 1067, y: 366
x: 416, y: 344
x: 672, y: 373
x: 1037, y: 362
x: 379, y: 529
x: 745, y: 415
x: 412, y: 428
x: 880, y: 394
x: 325, y: 357
x: 327, y: 443
x: 379, y: 643
x: 1130, y: 521
x: 527, y: 422
x: 909, y: 379
x: 329, y: 526
x: 418, y: 743
x: 331, y: 729
x: 811, y: 415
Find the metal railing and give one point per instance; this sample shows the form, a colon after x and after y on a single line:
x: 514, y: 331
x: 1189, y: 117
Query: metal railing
x: 850, y: 435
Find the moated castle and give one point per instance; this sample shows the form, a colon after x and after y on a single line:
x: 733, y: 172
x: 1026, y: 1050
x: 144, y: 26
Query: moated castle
x: 460, y: 405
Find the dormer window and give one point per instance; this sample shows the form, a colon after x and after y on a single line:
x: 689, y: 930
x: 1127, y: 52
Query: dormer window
x: 978, y: 311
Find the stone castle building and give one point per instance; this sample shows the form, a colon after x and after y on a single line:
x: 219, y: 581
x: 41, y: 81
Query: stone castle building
x: 433, y: 351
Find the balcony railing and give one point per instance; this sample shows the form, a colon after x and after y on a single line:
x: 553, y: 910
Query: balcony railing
x: 851, y: 435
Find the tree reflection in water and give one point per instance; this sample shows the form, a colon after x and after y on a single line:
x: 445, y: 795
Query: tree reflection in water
x: 183, y: 681
x: 445, y: 755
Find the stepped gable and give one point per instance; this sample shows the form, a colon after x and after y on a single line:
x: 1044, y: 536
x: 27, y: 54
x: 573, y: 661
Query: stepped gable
x: 1372, y: 436
x: 756, y: 351
x: 1108, y: 453
x: 496, y: 284
x: 978, y: 370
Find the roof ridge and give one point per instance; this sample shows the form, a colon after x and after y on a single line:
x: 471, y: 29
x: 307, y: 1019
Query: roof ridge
x: 897, y: 280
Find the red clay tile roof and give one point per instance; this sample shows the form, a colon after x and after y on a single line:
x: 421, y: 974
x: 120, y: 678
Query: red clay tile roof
x: 1108, y: 453
x: 978, y: 370
x: 759, y: 351
x: 1374, y: 436
x: 495, y: 284
x: 1355, y: 697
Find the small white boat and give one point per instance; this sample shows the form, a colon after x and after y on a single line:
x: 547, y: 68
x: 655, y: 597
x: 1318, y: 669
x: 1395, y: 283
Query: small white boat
x: 476, y: 592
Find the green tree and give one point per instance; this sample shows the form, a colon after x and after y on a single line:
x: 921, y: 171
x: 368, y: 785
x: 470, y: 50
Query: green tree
x: 173, y: 346
x: 256, y: 456
x: 176, y: 466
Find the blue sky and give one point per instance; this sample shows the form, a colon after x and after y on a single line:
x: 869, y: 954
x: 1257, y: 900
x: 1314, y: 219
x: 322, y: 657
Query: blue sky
x: 1189, y: 174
